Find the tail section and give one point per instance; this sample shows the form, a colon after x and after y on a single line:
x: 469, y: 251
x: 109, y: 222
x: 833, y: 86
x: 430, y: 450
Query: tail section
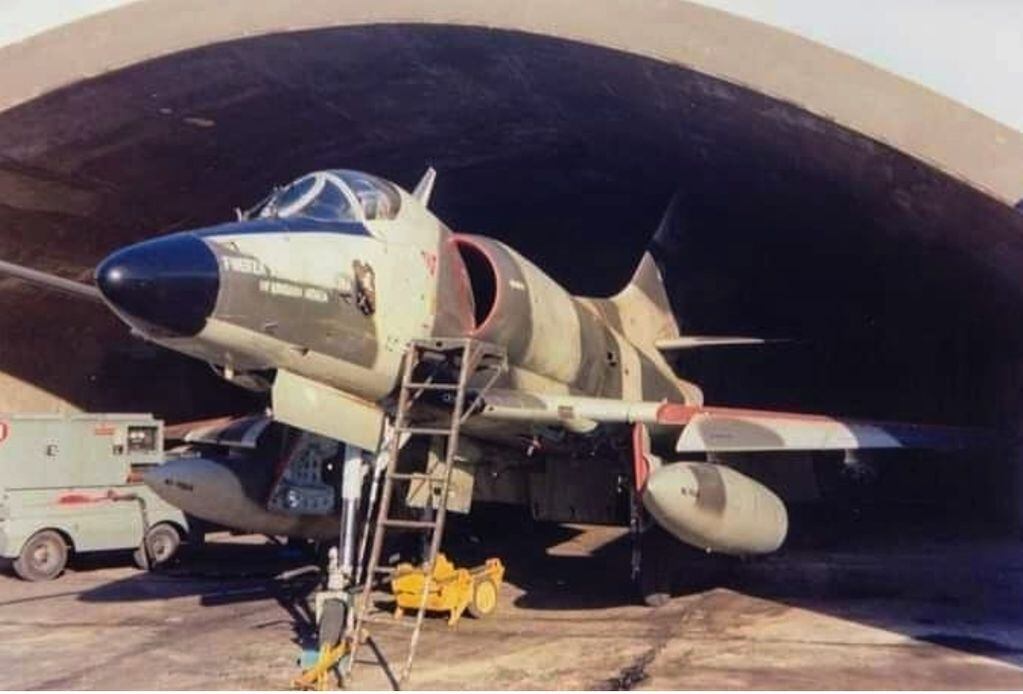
x: 646, y: 316
x: 643, y: 306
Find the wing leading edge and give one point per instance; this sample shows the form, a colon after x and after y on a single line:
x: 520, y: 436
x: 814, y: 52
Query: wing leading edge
x: 723, y: 429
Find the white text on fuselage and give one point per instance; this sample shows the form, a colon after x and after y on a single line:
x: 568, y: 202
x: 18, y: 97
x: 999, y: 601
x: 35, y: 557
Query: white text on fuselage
x: 244, y: 266
x: 276, y: 287
x: 295, y: 291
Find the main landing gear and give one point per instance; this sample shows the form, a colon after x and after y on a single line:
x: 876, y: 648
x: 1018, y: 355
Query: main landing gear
x: 654, y: 564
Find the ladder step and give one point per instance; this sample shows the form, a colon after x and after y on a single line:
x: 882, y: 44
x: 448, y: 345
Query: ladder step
x: 431, y: 431
x: 411, y: 524
x: 431, y: 386
x: 475, y: 362
x: 424, y: 476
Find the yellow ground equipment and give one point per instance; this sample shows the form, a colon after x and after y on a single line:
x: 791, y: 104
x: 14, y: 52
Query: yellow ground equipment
x: 317, y: 677
x: 451, y: 589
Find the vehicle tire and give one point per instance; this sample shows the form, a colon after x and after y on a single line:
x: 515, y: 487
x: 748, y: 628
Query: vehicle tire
x: 163, y: 541
x: 484, y: 598
x: 43, y: 557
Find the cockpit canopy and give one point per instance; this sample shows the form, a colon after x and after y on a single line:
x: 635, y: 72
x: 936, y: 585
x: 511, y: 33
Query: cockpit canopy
x: 335, y: 195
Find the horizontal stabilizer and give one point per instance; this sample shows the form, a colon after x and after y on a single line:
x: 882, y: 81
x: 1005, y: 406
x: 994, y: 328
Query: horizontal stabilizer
x: 697, y: 341
x: 43, y: 279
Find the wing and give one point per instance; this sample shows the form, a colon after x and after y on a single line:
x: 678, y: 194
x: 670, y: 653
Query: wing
x: 722, y: 429
x: 43, y: 279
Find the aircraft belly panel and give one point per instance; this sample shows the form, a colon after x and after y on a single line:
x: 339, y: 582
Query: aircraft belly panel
x: 579, y: 491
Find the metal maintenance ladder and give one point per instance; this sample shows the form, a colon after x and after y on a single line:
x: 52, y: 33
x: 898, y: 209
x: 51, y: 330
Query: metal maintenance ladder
x: 459, y: 371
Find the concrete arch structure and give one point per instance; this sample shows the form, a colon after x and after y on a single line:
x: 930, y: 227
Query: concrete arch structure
x: 819, y: 80
x: 829, y: 200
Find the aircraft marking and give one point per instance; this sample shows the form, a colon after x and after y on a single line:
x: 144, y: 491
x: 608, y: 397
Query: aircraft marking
x: 431, y: 262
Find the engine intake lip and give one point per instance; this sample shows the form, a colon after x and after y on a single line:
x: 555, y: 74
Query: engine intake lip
x: 484, y: 285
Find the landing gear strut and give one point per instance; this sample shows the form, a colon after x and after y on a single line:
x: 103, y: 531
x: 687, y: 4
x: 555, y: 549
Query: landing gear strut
x: 653, y: 550
x: 334, y: 603
x: 655, y: 577
x: 651, y: 555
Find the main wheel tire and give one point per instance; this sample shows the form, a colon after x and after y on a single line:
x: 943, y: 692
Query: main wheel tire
x: 656, y: 568
x: 162, y: 541
x: 484, y: 598
x: 655, y: 597
x: 43, y: 557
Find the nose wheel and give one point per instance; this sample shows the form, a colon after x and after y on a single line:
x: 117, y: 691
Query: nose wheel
x: 333, y: 618
x: 332, y: 651
x: 333, y: 602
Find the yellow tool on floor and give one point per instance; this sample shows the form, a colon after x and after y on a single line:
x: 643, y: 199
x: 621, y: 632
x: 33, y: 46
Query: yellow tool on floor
x: 451, y: 589
x: 317, y: 677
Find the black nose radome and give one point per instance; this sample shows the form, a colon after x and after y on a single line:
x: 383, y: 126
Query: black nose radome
x: 169, y: 283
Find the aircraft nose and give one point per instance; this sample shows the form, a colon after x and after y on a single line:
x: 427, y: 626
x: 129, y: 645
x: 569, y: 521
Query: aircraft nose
x: 169, y: 282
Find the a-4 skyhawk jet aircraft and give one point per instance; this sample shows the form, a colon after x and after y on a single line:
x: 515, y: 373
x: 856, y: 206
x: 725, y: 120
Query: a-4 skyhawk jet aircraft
x: 313, y: 296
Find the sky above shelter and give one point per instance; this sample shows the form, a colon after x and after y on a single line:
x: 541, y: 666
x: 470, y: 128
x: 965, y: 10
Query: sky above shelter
x: 970, y: 50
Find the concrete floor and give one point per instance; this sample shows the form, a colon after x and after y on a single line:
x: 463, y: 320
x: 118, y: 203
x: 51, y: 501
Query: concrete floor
x: 940, y: 615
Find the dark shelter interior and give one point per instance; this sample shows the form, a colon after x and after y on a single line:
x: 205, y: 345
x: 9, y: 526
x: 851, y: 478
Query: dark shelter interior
x: 895, y: 285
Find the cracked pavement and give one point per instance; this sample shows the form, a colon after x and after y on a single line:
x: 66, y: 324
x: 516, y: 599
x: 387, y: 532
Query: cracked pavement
x: 565, y: 620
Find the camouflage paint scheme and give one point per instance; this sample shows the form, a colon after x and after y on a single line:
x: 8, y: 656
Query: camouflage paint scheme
x: 286, y: 301
x: 330, y: 278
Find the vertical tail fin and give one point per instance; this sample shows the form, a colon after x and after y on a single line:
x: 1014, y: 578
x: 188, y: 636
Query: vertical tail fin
x: 643, y: 305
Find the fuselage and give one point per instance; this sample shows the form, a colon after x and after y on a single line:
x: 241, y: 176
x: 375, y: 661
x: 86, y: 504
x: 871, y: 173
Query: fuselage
x: 334, y: 294
x: 329, y: 280
x: 315, y: 295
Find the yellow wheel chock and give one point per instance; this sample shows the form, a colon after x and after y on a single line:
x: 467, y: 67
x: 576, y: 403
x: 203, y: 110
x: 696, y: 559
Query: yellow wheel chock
x: 317, y: 677
x: 451, y: 589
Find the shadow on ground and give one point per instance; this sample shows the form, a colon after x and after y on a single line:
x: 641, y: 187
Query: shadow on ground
x: 958, y: 579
